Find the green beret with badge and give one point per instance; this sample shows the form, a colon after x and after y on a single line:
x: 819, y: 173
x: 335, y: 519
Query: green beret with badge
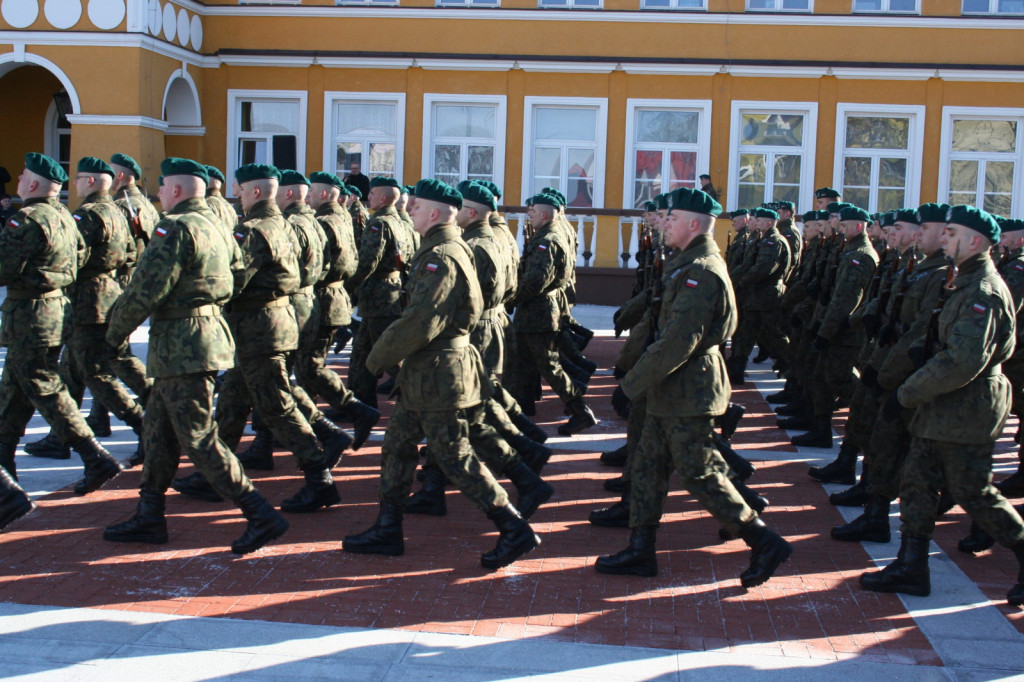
x: 44, y: 166
x: 128, y: 162
x: 555, y: 193
x: 857, y: 213
x: 381, y: 181
x: 256, y: 171
x: 907, y: 215
x: 92, y: 165
x: 810, y: 216
x: 650, y: 206
x: 1010, y: 225
x: 325, y: 178
x: 173, y: 165
x: 765, y: 213
x: 739, y: 212
x: 406, y: 189
x: 441, y: 192
x: 495, y: 190
x: 693, y: 201
x: 826, y: 193
x: 887, y: 219
x: 661, y: 201
x: 293, y: 177
x: 785, y: 205
x: 976, y: 219
x: 836, y: 207
x: 932, y: 213
x: 215, y: 173
x: 354, y: 191
x: 543, y: 199
x: 477, y: 193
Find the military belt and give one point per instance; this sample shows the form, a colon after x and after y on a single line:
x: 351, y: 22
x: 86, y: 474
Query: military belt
x: 247, y: 306
x: 175, y: 313
x: 490, y: 314
x: 452, y: 343
x: 304, y: 291
x: 333, y: 285
x: 29, y: 295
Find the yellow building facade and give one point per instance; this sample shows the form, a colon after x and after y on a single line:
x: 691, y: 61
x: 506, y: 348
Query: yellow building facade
x: 894, y: 102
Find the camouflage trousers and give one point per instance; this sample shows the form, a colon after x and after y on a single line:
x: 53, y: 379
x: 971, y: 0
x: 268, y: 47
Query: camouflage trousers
x: 311, y: 369
x: 833, y: 377
x: 94, y: 363
x: 489, y: 338
x: 261, y: 382
x: 447, y: 433
x: 886, y: 451
x: 685, y: 445
x: 538, y: 354
x: 861, y: 418
x: 634, y: 434
x: 128, y: 368
x: 179, y: 417
x: 30, y: 382
x: 765, y: 328
x: 488, y: 442
x: 360, y: 380
x: 966, y: 470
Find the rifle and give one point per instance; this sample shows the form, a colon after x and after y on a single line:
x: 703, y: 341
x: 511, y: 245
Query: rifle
x: 888, y: 335
x: 642, y: 256
x: 656, y: 290
x: 933, y: 323
x: 830, y: 283
x: 876, y: 279
x: 886, y: 293
x: 134, y: 221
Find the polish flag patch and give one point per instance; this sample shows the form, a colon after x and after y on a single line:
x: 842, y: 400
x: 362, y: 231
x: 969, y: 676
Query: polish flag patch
x: 374, y: 228
x: 76, y: 216
x: 979, y: 308
x: 13, y: 223
x: 692, y: 283
x: 855, y: 261
x: 431, y: 267
x: 542, y: 247
x: 239, y: 236
x: 160, y: 232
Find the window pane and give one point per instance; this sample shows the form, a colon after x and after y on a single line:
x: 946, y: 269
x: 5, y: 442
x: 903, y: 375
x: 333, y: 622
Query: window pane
x: 683, y: 169
x: 984, y: 136
x: 795, y: 5
x: 962, y: 198
x: 565, y: 124
x: 891, y: 199
x: 667, y: 126
x: 366, y: 119
x: 456, y: 120
x: 784, y: 130
x: 963, y: 176
x: 657, y: 4
x: 252, y: 151
x: 481, y: 162
x: 787, y: 169
x: 648, y: 166
x: 786, y: 193
x: 892, y: 173
x: 751, y: 195
x: 349, y: 153
x: 580, y: 190
x: 760, y: 4
x: 975, y: 6
x: 1011, y: 6
x: 856, y: 171
x: 382, y: 159
x: 644, y: 190
x: 752, y: 168
x: 998, y: 204
x: 857, y: 197
x: 447, y: 161
x: 903, y: 5
x: 867, y: 5
x: 547, y: 162
x: 998, y: 176
x: 877, y: 132
x: 270, y: 117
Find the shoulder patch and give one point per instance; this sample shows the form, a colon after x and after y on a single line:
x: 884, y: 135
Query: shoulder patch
x: 542, y: 247
x: 431, y: 267
x: 374, y: 228
x: 979, y: 308
x: 13, y: 223
x: 160, y: 231
x: 240, y: 236
x: 692, y: 283
x: 76, y: 216
x: 855, y: 261
x: 1016, y: 266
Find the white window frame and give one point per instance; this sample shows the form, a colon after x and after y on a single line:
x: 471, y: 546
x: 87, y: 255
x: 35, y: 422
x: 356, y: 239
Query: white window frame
x: 569, y: 4
x: 779, y: 8
x: 674, y: 5
x: 500, y: 102
x: 235, y: 98
x: 701, y: 106
x: 469, y: 4
x: 600, y: 134
x: 807, y: 109
x: 330, y: 150
x: 368, y: 3
x: 915, y: 144
x: 947, y: 155
x: 885, y: 9
x: 993, y: 10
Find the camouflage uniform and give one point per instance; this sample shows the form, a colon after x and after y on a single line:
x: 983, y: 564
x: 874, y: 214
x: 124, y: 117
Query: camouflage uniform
x: 761, y: 286
x: 182, y: 280
x: 222, y: 208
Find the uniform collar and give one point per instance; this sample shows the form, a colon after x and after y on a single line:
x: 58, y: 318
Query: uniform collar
x: 330, y: 208
x: 438, y: 234
x: 265, y: 208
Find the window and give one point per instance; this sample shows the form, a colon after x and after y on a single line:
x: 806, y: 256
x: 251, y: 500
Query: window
x: 668, y: 146
x: 364, y: 128
x: 674, y: 4
x: 993, y: 7
x: 565, y: 139
x: 266, y: 126
x: 771, y: 152
x: 374, y: 3
x: 894, y: 6
x: 878, y: 167
x: 570, y: 4
x: 980, y: 159
x: 779, y: 6
x: 468, y: 3
x: 462, y: 134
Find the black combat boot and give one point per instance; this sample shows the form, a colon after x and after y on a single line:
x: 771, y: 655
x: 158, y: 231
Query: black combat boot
x: 871, y: 526
x: 736, y: 367
x: 728, y: 421
x: 1015, y: 597
x: 320, y: 491
x: 619, y: 484
x: 197, y: 487
x: 363, y: 418
x: 533, y: 453
x: 786, y: 395
x: 639, y: 558
x: 49, y: 447
x: 841, y: 470
x: 819, y: 436
x: 532, y: 489
x: 762, y: 355
x: 7, y: 451
x: 908, y: 574
x: 740, y: 467
x: 515, y: 538
x: 383, y: 537
x: 581, y: 420
x: 754, y: 500
x: 768, y: 550
x: 333, y: 438
x: 976, y: 541
x: 585, y: 363
x: 259, y: 456
x: 14, y: 503
x: 615, y: 516
x: 430, y: 498
x: 149, y: 524
x: 582, y: 335
x: 341, y: 338
x: 265, y: 523
x: 615, y: 458
x: 135, y: 422
x: 98, y: 419
x: 621, y: 402
x: 386, y: 387
x: 854, y: 496
x: 797, y: 408
x: 100, y: 466
x: 529, y: 429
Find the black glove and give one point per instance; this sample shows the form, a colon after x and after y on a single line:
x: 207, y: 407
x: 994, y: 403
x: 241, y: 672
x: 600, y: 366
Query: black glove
x: 821, y: 343
x: 814, y: 328
x: 869, y: 376
x: 620, y: 402
x: 918, y: 356
x: 618, y: 373
x: 892, y: 408
x: 871, y: 324
x: 796, y: 321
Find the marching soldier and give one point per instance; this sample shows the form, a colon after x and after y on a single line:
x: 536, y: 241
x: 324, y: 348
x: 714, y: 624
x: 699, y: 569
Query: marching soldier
x: 220, y: 206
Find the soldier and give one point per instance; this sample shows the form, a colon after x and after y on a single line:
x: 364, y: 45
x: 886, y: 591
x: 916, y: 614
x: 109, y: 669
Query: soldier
x: 40, y: 253
x: 823, y: 196
x: 181, y: 282
x: 1011, y: 267
x: 787, y: 229
x: 734, y: 254
x: 223, y: 209
x: 961, y: 400
x: 440, y: 385
x: 683, y: 375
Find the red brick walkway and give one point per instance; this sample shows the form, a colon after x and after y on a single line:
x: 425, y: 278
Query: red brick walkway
x: 812, y: 608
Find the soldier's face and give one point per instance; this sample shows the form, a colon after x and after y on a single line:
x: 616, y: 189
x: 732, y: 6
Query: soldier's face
x: 928, y: 237
x: 677, y: 233
x: 739, y: 222
x: 821, y: 203
x: 956, y: 242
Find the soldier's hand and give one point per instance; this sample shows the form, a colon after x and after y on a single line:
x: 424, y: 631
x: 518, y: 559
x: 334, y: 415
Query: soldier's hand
x: 821, y: 343
x: 869, y: 376
x: 871, y: 323
x: 892, y: 408
x: 618, y: 372
x: 621, y: 402
x: 796, y: 321
x: 918, y: 356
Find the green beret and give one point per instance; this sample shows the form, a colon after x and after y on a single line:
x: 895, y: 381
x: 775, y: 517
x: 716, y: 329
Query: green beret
x: 788, y: 205
x: 160, y: 181
x: 543, y: 198
x: 381, y: 181
x: 854, y: 213
x: 406, y: 189
x: 823, y: 215
x: 354, y: 191
x: 809, y: 216
x: 693, y: 201
x: 293, y: 177
x: 215, y: 173
x: 43, y: 165
x: 907, y: 215
x: 836, y: 207
x: 90, y: 164
x: 826, y: 193
x: 739, y: 212
x: 650, y: 206
x: 127, y: 162
x: 555, y: 193
x: 887, y: 219
x: 765, y: 213
x: 175, y: 166
x: 475, y: 192
x: 324, y: 178
x: 770, y: 205
x: 932, y: 213
x: 495, y: 190
x: 256, y: 171
x: 435, y: 190
x: 661, y: 201
x: 976, y: 219
x: 1010, y: 225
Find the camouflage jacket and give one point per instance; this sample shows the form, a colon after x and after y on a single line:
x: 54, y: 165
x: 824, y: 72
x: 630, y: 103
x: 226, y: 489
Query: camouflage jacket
x: 763, y: 283
x: 734, y: 253
x: 683, y: 372
x: 261, y: 317
x: 384, y: 252
x: 182, y: 280
x: 107, y: 237
x: 857, y: 264
x: 223, y: 209
x: 40, y: 251
x: 961, y: 392
x: 1011, y: 268
x: 340, y: 259
x: 545, y: 271
x: 490, y: 261
x: 141, y: 227
x: 311, y: 241
x: 788, y: 230
x: 504, y: 234
x: 441, y: 370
